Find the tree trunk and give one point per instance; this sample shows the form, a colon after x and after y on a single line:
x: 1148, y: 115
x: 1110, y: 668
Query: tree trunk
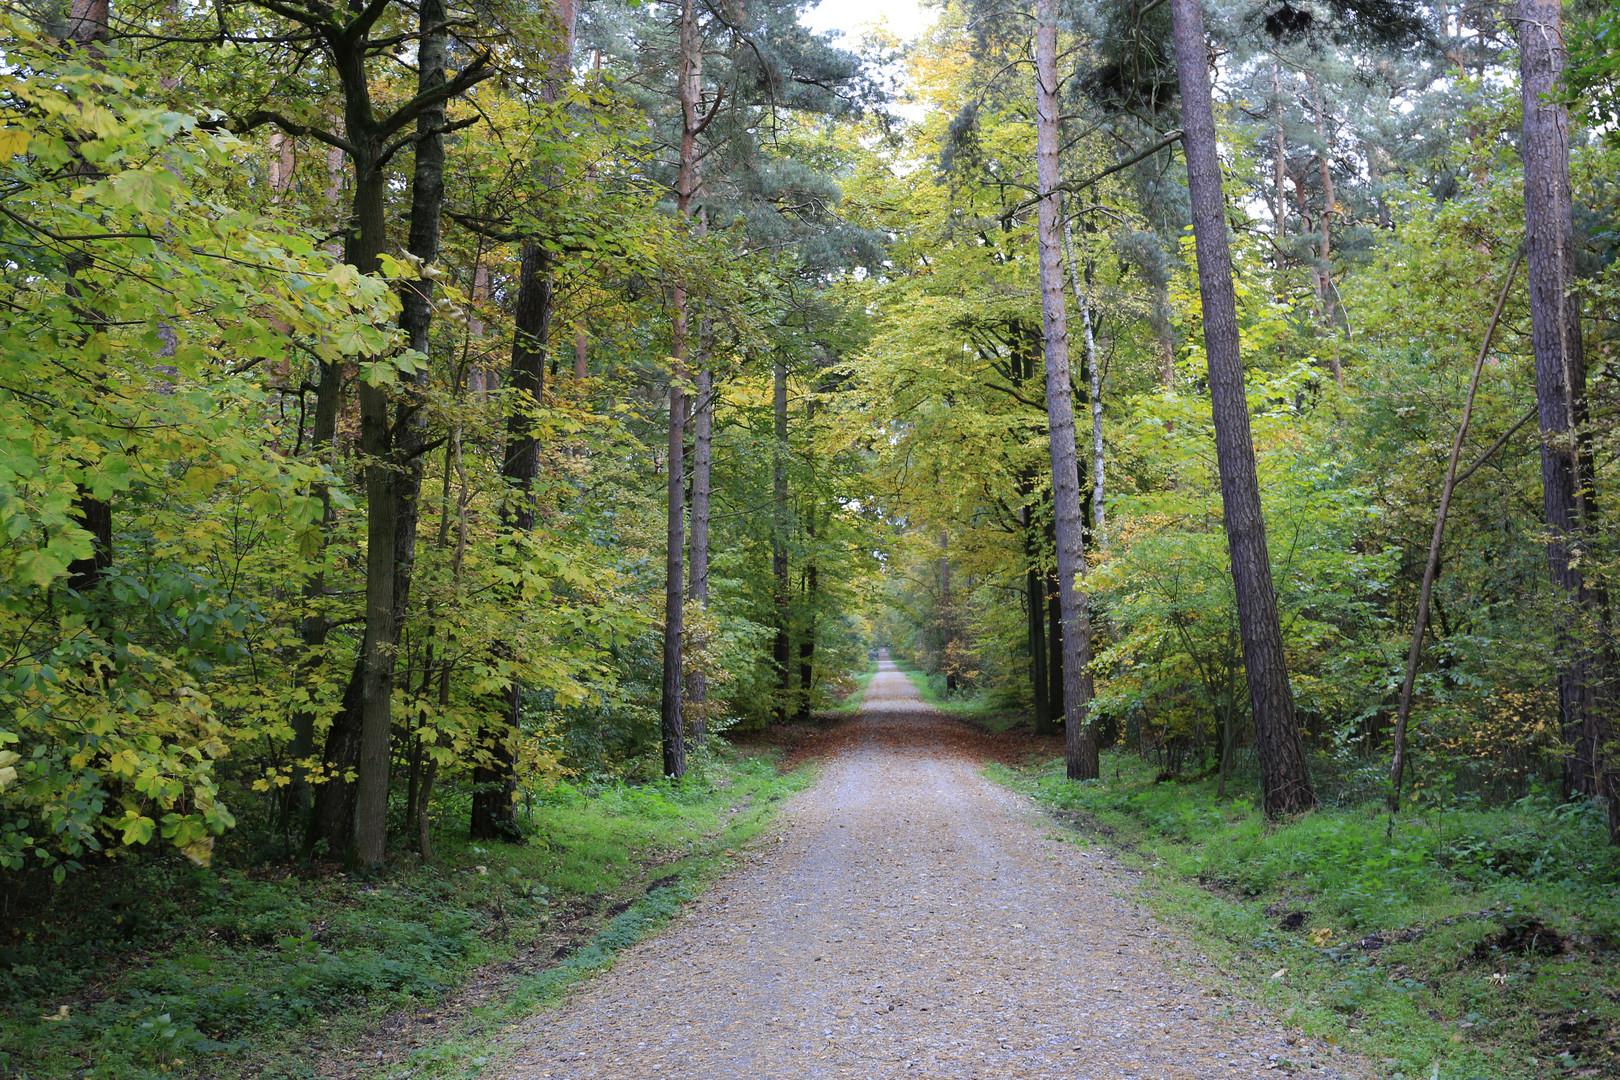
x: 494, y: 813
x: 1094, y: 380
x: 1279, y: 165
x: 807, y: 639
x: 779, y: 559
x: 1080, y: 749
x: 1403, y: 710
x: 1164, y: 334
x: 1566, y: 464
x: 697, y: 685
x: 697, y: 682
x: 352, y: 818
x: 807, y: 643
x: 945, y: 612
x: 1035, y: 596
x: 1054, y: 645
x: 89, y: 28
x: 410, y: 428
x: 688, y: 87
x: 1285, y: 776
x: 674, y: 735
x: 382, y: 618
x: 89, y: 23
x: 1325, y: 288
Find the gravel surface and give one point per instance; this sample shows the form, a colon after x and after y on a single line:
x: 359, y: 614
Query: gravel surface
x: 911, y: 919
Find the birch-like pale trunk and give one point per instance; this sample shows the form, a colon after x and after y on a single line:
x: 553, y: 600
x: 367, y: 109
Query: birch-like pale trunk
x: 1094, y: 381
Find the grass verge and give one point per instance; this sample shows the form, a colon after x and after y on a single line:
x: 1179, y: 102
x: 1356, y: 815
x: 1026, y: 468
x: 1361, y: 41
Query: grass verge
x: 1466, y: 944
x: 167, y: 969
x: 849, y: 703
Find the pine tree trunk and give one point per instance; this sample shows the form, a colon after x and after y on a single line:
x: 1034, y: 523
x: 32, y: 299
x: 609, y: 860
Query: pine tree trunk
x: 697, y: 686
x: 1566, y: 463
x: 1324, y: 252
x: 671, y: 722
x: 1080, y: 748
x: 1279, y: 165
x: 670, y: 719
x: 1284, y: 774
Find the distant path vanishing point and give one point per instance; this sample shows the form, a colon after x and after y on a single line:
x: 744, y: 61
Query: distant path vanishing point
x: 913, y: 920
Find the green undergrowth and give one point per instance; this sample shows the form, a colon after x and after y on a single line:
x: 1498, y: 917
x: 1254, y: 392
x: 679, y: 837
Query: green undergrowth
x: 167, y: 969
x: 850, y: 703
x: 1466, y: 943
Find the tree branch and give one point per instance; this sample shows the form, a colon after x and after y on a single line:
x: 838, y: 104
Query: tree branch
x: 260, y: 117
x: 469, y: 77
x: 1077, y: 185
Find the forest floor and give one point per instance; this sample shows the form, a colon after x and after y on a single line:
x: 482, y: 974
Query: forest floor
x: 912, y: 918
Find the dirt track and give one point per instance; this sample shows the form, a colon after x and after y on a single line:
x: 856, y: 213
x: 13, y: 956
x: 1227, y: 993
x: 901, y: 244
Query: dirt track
x: 912, y: 919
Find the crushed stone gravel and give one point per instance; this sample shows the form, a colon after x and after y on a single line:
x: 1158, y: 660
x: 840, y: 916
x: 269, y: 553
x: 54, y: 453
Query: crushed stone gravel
x: 912, y: 919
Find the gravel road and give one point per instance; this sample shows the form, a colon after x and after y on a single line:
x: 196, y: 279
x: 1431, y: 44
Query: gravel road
x: 911, y: 919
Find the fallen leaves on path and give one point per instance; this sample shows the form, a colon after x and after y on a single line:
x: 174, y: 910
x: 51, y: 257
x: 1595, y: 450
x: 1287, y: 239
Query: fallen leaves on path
x: 911, y: 919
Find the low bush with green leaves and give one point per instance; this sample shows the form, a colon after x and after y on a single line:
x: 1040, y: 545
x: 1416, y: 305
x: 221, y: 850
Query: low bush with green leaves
x: 160, y: 967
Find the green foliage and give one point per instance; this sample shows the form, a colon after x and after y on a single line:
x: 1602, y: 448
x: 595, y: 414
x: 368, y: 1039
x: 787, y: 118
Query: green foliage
x: 244, y: 974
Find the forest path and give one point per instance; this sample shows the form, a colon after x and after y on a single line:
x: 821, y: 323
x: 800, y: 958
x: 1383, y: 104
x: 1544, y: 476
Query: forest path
x: 913, y: 919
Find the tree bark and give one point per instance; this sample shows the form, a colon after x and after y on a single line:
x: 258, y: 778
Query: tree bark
x: 1284, y: 773
x: 779, y: 525
x: 672, y: 724
x: 352, y: 817
x: 494, y: 812
x: 1080, y: 748
x: 382, y: 618
x: 1279, y: 165
x: 1055, y: 682
x: 945, y: 611
x: 807, y: 639
x: 1568, y: 502
x: 688, y: 88
x: 1324, y: 252
x: 697, y: 682
x: 1094, y: 380
x: 89, y: 28
x: 697, y: 685
x: 1035, y: 596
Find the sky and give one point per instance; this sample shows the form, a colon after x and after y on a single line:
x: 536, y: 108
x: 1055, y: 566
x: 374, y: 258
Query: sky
x: 906, y: 18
